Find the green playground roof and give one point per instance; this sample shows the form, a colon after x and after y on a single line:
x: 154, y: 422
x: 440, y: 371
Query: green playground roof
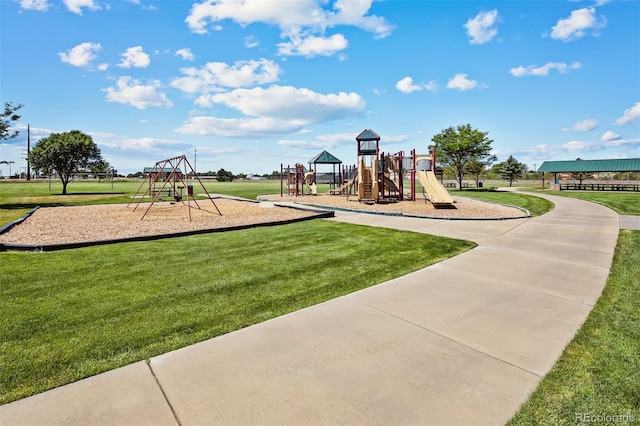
x: 158, y: 170
x: 368, y: 135
x: 577, y: 166
x: 324, y: 158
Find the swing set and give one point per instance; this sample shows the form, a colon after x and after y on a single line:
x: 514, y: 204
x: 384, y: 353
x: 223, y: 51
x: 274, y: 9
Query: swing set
x: 166, y: 180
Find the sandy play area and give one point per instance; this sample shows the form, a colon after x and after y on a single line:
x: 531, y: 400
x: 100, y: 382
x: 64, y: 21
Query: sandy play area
x: 78, y: 224
x: 59, y: 225
x: 466, y: 208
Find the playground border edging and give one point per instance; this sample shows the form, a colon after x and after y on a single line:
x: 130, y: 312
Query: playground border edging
x: 8, y: 226
x: 400, y: 214
x: 66, y: 246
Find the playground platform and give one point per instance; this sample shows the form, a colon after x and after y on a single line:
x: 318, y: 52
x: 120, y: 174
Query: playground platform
x: 460, y: 342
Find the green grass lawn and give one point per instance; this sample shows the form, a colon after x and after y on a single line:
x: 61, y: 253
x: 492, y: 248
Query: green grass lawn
x: 75, y: 313
x: 64, y: 319
x: 599, y: 371
x: 536, y: 205
x: 626, y: 203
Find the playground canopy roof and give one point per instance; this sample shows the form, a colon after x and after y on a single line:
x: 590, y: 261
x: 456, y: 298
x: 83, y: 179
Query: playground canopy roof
x: 577, y: 166
x: 157, y: 170
x: 324, y: 158
x: 368, y: 135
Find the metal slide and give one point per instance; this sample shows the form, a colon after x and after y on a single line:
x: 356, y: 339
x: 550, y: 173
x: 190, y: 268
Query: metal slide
x: 437, y: 194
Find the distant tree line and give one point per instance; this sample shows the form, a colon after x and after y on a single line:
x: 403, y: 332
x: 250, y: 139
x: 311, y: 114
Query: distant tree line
x: 221, y: 175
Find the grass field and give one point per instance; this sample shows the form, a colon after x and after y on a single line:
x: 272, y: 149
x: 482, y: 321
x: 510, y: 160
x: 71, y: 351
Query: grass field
x: 626, y: 203
x: 535, y: 205
x: 17, y: 198
x: 60, y: 319
x: 71, y: 314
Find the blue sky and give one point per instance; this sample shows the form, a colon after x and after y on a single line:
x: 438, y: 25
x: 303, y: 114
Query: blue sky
x: 251, y: 84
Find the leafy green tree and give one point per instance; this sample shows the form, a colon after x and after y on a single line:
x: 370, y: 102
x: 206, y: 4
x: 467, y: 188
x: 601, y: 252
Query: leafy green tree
x: 476, y: 168
x: 99, y: 167
x: 224, y: 176
x: 512, y: 169
x: 65, y: 153
x: 6, y: 118
x: 457, y: 147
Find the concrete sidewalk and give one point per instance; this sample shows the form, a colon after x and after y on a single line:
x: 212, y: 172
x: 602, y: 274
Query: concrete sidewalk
x: 461, y: 342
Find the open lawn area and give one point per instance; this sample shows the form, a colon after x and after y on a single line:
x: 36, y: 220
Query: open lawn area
x: 626, y: 203
x: 535, y: 205
x: 75, y: 313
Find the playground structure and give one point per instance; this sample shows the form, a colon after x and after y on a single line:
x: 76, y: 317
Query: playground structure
x: 167, y: 181
x: 380, y: 177
x: 294, y: 179
x: 376, y: 178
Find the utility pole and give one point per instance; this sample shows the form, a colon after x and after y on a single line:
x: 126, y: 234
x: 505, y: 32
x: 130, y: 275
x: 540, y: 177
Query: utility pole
x: 195, y: 160
x: 28, y: 151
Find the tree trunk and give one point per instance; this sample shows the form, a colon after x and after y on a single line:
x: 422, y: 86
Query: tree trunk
x: 64, y: 185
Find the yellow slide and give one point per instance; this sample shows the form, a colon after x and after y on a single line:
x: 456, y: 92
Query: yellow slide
x: 437, y: 194
x: 310, y: 180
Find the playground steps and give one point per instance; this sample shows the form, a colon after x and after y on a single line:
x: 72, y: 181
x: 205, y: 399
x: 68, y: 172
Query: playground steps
x: 367, y: 181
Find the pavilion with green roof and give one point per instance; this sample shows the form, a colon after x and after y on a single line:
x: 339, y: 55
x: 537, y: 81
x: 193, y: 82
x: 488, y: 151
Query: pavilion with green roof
x: 325, y: 158
x: 620, y: 165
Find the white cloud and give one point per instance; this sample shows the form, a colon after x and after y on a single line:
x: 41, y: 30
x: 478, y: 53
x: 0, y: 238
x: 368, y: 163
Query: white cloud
x: 81, y: 55
x: 303, y: 22
x: 251, y: 42
x: 584, y: 125
x: 577, y: 25
x: 406, y: 85
x: 185, y: 54
x: 40, y: 5
x: 135, y: 57
x: 216, y: 75
x: 561, y: 67
x: 573, y: 149
x: 145, y: 144
x: 238, y: 127
x: 287, y: 101
x: 610, y: 136
x: 432, y: 86
x: 481, y: 29
x: 130, y: 91
x: 272, y: 111
x: 312, y: 46
x: 328, y: 141
x: 461, y: 82
x: 299, y: 14
x: 630, y: 115
x: 76, y: 6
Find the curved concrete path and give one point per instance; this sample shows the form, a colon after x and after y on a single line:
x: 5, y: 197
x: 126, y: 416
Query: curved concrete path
x: 461, y: 342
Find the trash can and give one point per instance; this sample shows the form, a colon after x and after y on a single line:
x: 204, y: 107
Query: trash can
x: 479, y: 184
x: 189, y: 189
